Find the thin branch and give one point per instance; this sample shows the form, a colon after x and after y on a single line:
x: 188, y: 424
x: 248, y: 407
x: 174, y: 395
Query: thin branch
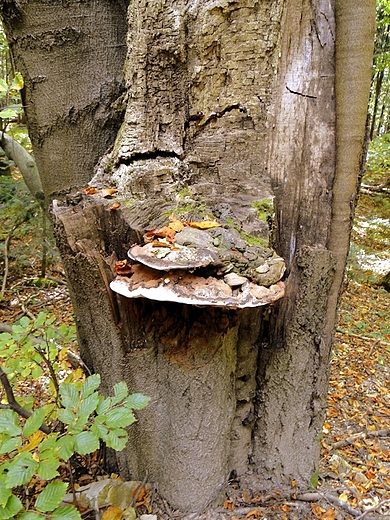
x: 365, y: 338
x: 373, y: 509
x: 360, y: 435
x: 50, y: 368
x: 315, y: 497
x: 14, y: 405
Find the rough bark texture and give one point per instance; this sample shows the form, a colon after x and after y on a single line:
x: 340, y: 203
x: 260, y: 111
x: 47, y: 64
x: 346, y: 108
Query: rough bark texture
x: 227, y: 103
x: 71, y: 56
x: 292, y: 377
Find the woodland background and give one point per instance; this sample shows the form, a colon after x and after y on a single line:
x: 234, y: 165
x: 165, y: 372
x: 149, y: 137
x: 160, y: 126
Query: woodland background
x: 356, y: 435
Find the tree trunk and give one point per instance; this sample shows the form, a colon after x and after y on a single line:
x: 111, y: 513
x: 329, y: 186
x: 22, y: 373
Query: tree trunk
x: 227, y: 104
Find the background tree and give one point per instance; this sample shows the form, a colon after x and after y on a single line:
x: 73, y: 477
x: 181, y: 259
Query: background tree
x: 380, y: 81
x: 223, y: 105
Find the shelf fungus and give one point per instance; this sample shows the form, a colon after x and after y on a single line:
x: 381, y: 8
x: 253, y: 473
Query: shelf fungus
x: 204, y: 267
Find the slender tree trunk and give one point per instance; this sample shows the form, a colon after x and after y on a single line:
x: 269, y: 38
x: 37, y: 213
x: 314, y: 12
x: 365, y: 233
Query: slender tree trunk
x: 226, y: 104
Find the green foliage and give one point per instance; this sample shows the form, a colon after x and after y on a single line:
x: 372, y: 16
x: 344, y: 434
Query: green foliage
x: 32, y: 347
x: 21, y: 218
x: 378, y: 159
x: 87, y: 418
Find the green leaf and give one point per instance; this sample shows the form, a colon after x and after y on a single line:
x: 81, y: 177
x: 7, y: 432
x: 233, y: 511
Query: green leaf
x: 51, y: 496
x: 5, y: 492
x: 137, y: 401
x: 40, y: 320
x: 17, y: 82
x: 3, y: 85
x: 47, y: 469
x: 79, y: 425
x: 65, y: 447
x: 90, y: 385
x: 104, y: 405
x: 70, y: 395
x: 66, y: 416
x: 116, y: 439
x: 35, y: 421
x: 49, y: 443
x: 66, y: 513
x: 119, y: 418
x: 30, y: 515
x: 121, y: 391
x: 11, y: 509
x: 86, y: 442
x: 9, y: 423
x: 10, y: 445
x: 89, y: 404
x: 22, y: 468
x: 24, y: 322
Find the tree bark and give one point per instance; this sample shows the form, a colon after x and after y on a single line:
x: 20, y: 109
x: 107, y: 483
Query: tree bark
x: 226, y: 104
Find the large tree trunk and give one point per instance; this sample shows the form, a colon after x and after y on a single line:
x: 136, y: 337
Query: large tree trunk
x: 226, y: 104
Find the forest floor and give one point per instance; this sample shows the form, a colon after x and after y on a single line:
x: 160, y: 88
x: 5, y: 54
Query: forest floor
x: 354, y: 477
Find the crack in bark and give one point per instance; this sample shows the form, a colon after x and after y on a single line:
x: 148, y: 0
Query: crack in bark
x: 144, y: 156
x: 300, y: 93
x: 213, y: 116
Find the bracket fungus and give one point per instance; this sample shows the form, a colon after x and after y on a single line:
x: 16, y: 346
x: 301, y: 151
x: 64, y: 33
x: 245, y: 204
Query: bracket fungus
x: 204, y: 265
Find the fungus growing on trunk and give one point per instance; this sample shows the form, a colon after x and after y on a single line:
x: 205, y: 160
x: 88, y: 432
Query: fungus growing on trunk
x: 211, y: 266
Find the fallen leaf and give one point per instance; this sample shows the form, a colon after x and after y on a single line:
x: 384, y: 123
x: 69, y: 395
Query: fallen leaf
x: 285, y: 508
x: 228, y: 504
x: 90, y: 191
x: 175, y: 223
x: 317, y: 510
x: 112, y: 513
x: 139, y: 493
x: 115, y: 206
x: 206, y: 224
x: 256, y: 513
x: 108, y: 192
x: 164, y: 232
x: 329, y: 515
x: 123, y: 268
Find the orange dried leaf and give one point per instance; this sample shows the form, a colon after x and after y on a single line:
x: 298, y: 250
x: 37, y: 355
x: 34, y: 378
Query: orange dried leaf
x: 112, y: 513
x: 329, y: 515
x: 285, y: 508
x: 228, y: 504
x: 254, y: 514
x: 115, y: 206
x: 139, y: 493
x: 123, y: 267
x: 164, y: 232
x: 175, y: 223
x: 108, y: 192
x: 90, y: 191
x: 206, y: 224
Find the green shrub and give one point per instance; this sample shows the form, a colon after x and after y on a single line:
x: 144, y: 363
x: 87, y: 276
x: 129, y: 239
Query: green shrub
x: 75, y: 418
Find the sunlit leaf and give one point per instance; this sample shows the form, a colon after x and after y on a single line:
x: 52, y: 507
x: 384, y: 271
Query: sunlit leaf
x: 51, y: 496
x: 120, y: 391
x: 69, y: 395
x: 34, y: 422
x: 90, y: 385
x: 9, y: 423
x: 66, y: 513
x: 137, y: 401
x: 11, y: 509
x: 86, y: 442
x: 205, y: 224
x: 21, y: 470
